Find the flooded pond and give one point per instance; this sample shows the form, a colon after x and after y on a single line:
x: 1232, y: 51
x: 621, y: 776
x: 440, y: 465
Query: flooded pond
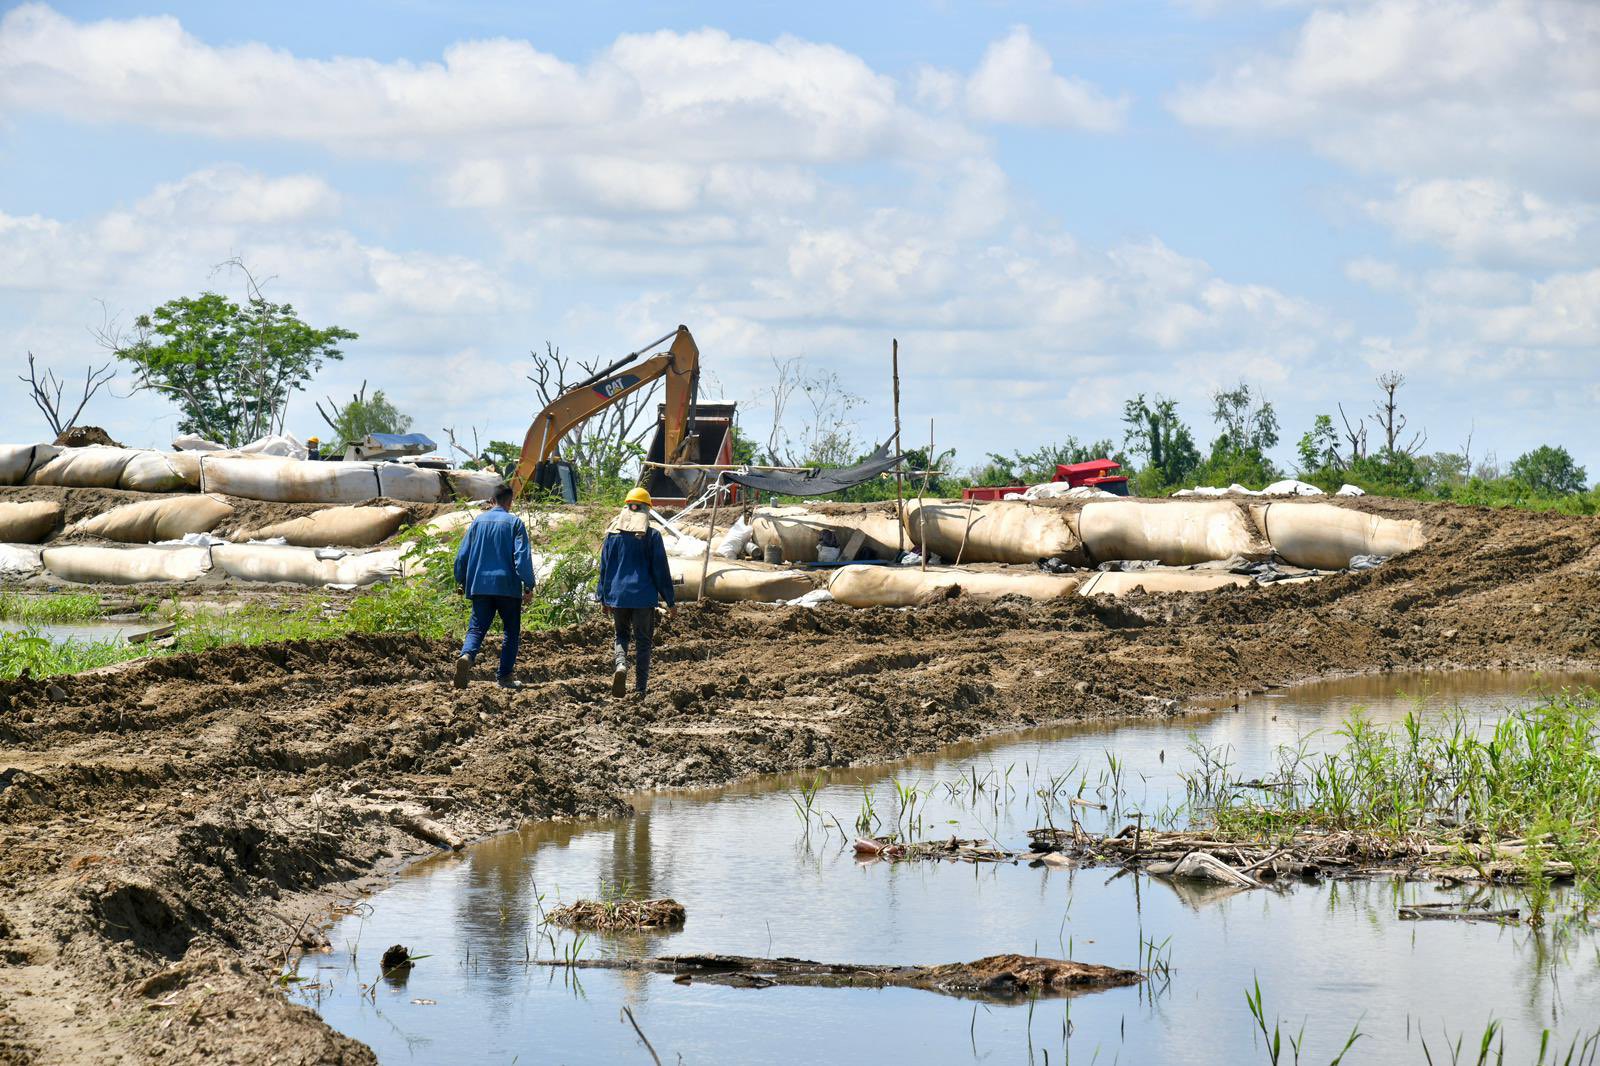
x: 1330, y: 957
x: 132, y: 631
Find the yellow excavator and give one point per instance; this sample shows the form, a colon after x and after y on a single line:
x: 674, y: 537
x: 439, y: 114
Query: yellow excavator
x: 676, y: 438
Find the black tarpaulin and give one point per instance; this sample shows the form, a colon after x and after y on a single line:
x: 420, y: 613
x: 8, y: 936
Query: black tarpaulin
x: 819, y: 482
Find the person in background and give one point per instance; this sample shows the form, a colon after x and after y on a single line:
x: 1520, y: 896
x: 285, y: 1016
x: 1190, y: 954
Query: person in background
x: 633, y: 577
x: 494, y: 569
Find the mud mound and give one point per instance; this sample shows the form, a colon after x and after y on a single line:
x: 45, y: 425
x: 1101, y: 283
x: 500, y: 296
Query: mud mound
x: 83, y: 436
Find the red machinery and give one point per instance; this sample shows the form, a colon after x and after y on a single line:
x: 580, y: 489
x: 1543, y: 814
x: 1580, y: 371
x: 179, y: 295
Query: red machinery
x: 1096, y: 473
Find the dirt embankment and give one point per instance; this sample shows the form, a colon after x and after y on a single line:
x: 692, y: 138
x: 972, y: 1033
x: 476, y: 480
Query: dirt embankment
x: 167, y: 828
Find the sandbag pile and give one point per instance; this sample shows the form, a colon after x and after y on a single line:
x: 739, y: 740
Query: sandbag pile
x: 353, y: 527
x: 797, y: 533
x: 148, y: 521
x: 92, y: 564
x: 304, y: 566
x: 17, y: 461
x: 28, y: 523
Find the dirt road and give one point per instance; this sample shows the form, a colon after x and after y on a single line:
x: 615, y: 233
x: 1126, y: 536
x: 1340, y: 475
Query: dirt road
x: 169, y: 830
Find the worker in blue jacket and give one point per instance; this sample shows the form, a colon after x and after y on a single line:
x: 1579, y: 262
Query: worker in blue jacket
x: 494, y: 568
x: 633, y: 576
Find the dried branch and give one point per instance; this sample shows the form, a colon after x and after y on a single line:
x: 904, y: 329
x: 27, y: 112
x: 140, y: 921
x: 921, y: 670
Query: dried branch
x: 48, y: 392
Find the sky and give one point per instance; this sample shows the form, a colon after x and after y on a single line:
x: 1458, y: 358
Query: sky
x: 1052, y: 205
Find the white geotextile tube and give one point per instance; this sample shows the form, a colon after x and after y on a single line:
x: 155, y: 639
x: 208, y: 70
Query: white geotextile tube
x: 17, y: 461
x: 1177, y: 532
x: 1005, y: 532
x: 731, y: 582
x: 156, y: 472
x: 289, y: 480
x: 304, y: 566
x: 1326, y: 536
x: 148, y: 521
x: 337, y: 526
x: 92, y: 564
x: 19, y: 561
x: 797, y: 532
x: 1119, y: 583
x: 28, y: 522
x: 94, y: 467
x: 888, y: 586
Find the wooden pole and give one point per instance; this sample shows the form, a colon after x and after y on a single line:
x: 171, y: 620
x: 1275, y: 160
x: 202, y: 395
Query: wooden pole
x: 705, y: 564
x: 922, y: 513
x: 899, y: 477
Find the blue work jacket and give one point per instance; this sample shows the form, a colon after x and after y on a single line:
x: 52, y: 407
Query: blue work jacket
x: 494, y: 559
x: 633, y: 570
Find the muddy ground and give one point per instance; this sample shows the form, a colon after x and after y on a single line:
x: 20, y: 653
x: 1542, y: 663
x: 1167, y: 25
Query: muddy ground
x: 170, y: 829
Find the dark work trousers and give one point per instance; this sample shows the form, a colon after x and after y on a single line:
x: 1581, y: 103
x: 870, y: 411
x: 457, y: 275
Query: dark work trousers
x: 484, y: 608
x: 640, y: 624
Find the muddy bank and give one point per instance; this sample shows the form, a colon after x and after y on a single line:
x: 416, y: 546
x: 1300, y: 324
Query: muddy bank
x: 169, y: 830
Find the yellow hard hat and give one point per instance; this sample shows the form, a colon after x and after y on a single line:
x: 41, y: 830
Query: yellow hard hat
x: 638, y: 495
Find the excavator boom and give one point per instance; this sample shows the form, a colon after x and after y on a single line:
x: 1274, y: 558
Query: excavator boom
x: 679, y: 364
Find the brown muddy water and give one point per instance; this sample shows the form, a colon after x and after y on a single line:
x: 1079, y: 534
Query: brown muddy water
x: 1329, y: 957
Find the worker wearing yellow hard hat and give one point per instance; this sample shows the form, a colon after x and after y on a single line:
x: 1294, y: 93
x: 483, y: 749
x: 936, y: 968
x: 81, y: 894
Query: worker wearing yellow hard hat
x: 634, y: 577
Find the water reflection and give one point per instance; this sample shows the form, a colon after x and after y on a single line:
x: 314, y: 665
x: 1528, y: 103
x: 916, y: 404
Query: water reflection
x: 755, y: 883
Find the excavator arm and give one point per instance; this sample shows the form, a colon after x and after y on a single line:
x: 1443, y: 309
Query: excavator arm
x: 679, y: 364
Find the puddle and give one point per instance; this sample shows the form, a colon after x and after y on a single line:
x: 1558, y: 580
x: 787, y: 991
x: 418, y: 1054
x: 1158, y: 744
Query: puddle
x: 1328, y: 957
x: 132, y: 631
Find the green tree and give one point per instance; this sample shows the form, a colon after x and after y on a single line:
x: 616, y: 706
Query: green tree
x: 361, y: 416
x: 1156, y: 435
x: 229, y: 367
x: 1550, y: 471
x: 1248, y: 428
x: 1319, y: 447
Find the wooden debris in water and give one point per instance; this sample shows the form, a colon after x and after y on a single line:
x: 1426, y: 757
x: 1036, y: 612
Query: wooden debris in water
x: 997, y: 977
x: 954, y: 850
x: 619, y: 914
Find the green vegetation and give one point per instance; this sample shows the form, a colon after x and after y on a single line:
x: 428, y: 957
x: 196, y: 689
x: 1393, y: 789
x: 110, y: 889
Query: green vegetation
x: 362, y: 416
x: 228, y: 367
x: 50, y: 610
x: 1528, y: 790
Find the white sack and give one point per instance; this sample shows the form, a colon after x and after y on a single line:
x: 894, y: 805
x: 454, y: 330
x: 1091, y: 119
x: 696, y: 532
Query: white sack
x: 93, y: 564
x: 283, y: 445
x: 1351, y: 490
x: 304, y: 566
x: 152, y: 520
x: 18, y: 561
x: 28, y: 523
x: 734, y: 542
x: 1120, y: 583
x: 888, y: 586
x: 17, y: 461
x: 1177, y: 533
x: 194, y: 442
x: 94, y: 467
x: 1003, y: 532
x: 355, y: 527
x: 729, y: 582
x: 1326, y: 536
x: 684, y: 546
x: 1291, y: 487
x: 1060, y: 490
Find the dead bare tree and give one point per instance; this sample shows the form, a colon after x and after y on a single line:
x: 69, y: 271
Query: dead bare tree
x: 1390, y: 421
x: 826, y: 435
x: 1356, y: 435
x: 49, y: 392
x: 601, y: 445
x: 475, y: 455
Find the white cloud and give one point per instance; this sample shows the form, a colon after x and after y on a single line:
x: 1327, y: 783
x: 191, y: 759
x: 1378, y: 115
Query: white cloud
x: 1427, y: 87
x: 1016, y: 83
x: 231, y: 194
x: 1483, y: 219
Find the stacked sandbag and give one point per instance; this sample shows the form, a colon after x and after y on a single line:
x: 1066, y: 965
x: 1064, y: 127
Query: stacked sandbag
x: 28, y: 523
x: 94, y: 467
x: 886, y: 586
x: 304, y: 566
x: 1007, y: 532
x: 1176, y: 533
x: 18, y: 562
x: 91, y: 564
x: 172, y: 518
x: 797, y: 532
x: 1119, y: 583
x: 160, y: 472
x: 471, y: 484
x: 288, y: 480
x: 730, y: 582
x: 1326, y: 536
x: 17, y: 461
x: 350, y: 527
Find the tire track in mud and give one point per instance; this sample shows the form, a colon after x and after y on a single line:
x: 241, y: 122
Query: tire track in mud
x: 168, y: 827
